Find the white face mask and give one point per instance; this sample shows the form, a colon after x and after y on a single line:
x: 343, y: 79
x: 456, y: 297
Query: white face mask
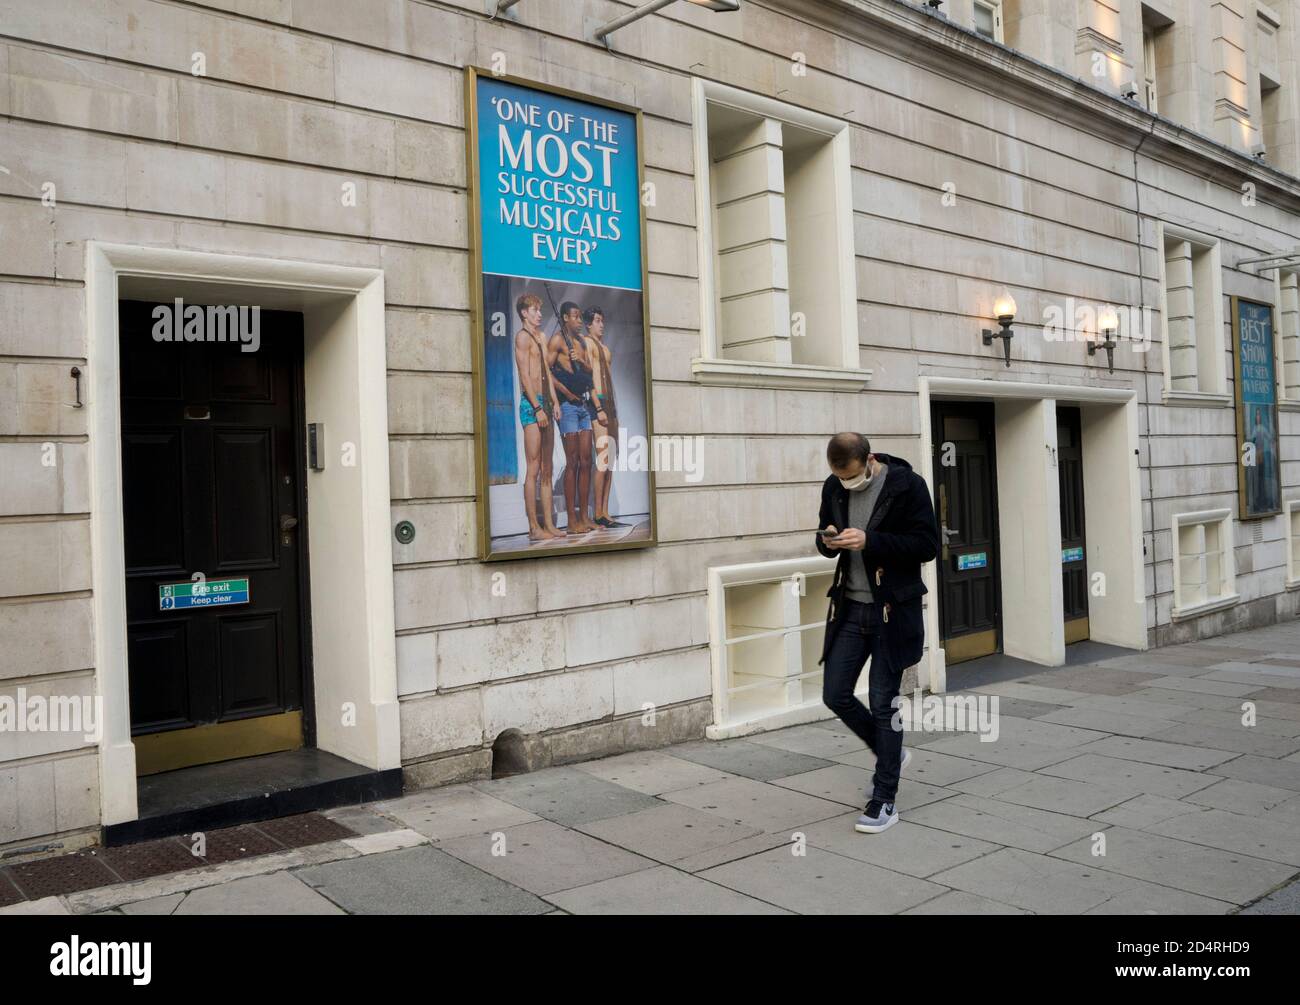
x: 859, y: 483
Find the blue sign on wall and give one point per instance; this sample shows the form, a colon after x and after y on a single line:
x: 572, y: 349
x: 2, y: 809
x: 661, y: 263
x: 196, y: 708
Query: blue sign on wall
x: 975, y: 560
x: 1259, y: 478
x: 1071, y: 554
x: 558, y: 187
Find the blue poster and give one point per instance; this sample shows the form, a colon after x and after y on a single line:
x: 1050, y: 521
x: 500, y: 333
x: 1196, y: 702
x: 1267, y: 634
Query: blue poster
x: 1259, y: 482
x: 563, y: 379
x: 560, y: 197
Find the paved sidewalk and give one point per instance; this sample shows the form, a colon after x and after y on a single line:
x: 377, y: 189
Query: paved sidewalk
x: 1128, y: 785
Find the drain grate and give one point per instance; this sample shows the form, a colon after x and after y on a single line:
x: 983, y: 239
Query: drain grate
x: 66, y: 874
x: 150, y: 858
x: 304, y: 829
x: 233, y: 843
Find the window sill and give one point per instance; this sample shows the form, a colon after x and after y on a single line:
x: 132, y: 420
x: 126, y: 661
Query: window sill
x: 1289, y: 405
x: 794, y: 376
x: 1203, y: 399
x: 1208, y: 607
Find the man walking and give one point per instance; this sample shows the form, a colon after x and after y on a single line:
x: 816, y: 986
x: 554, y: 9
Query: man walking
x: 876, y: 516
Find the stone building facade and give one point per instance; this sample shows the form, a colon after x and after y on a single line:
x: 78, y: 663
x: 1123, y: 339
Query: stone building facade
x: 842, y: 191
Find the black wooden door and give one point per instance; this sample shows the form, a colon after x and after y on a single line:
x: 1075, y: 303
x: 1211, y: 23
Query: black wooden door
x: 965, y: 475
x: 1074, y: 566
x: 212, y: 491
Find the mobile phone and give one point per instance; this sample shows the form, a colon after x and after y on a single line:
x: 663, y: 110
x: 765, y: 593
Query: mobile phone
x: 824, y: 532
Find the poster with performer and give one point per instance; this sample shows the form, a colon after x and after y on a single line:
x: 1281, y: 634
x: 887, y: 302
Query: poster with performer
x: 1259, y: 476
x: 560, y: 328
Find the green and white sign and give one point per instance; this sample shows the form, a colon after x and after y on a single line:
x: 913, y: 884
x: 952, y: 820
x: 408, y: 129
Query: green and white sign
x: 202, y: 593
x: 973, y: 560
x: 1071, y: 554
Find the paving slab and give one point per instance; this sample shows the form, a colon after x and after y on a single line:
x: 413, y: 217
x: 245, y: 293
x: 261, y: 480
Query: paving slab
x: 930, y: 766
x: 1108, y: 721
x: 1173, y: 755
x: 820, y: 741
x: 734, y: 851
x: 909, y: 848
x: 1231, y: 719
x: 822, y: 882
x: 960, y: 902
x: 1031, y: 692
x: 1023, y: 709
x: 759, y: 761
x: 1283, y: 901
x: 1065, y: 795
x: 1240, y: 739
x: 544, y: 857
x: 1038, y: 883
x: 1236, y: 796
x: 1203, y: 685
x: 1134, y: 776
x: 754, y: 804
x: 455, y: 811
x: 669, y: 832
x: 1264, y: 770
x: 652, y: 771
x: 995, y: 781
x: 1003, y: 823
x: 661, y: 890
x: 278, y: 893
x: 1210, y: 872
x: 566, y: 795
x: 1274, y: 840
x: 1189, y: 699
x: 424, y: 880
x: 1008, y: 753
x: 154, y: 905
x: 1144, y: 810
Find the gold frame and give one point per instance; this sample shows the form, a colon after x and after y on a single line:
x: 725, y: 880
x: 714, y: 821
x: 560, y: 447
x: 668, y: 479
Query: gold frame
x: 1242, y: 513
x: 481, y: 505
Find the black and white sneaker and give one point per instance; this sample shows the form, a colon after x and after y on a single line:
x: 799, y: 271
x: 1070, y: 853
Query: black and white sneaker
x: 876, y: 817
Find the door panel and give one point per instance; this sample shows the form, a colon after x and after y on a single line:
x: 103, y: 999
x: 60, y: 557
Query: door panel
x: 212, y: 471
x: 1074, y: 567
x: 967, y: 487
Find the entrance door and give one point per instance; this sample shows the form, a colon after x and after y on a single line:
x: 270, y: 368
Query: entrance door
x: 212, y: 483
x: 1074, y: 568
x: 964, y: 473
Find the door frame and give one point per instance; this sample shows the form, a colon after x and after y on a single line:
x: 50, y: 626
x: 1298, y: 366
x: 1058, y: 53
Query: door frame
x: 1124, y: 620
x: 302, y: 549
x: 353, y: 633
x: 995, y: 537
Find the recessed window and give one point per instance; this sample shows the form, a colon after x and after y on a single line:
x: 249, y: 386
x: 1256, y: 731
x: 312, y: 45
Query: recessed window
x: 1204, y: 565
x: 1157, y: 57
x: 776, y: 237
x: 1291, y: 528
x: 988, y: 19
x: 1192, y: 315
x: 1288, y: 335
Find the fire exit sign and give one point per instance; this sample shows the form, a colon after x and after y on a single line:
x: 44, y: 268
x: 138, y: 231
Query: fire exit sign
x: 203, y: 593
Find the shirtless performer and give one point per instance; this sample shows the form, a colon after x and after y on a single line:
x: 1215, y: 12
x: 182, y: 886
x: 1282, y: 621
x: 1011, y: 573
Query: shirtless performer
x: 604, y: 426
x: 537, y: 405
x: 566, y: 355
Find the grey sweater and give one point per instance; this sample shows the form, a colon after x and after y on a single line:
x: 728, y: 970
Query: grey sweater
x: 861, y: 503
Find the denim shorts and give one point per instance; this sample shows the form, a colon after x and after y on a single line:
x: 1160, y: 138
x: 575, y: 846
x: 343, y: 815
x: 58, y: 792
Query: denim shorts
x: 574, y: 417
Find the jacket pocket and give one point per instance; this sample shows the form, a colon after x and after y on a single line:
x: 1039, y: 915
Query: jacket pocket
x: 909, y: 591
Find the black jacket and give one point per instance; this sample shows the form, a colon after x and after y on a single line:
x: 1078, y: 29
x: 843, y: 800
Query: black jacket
x: 901, y: 534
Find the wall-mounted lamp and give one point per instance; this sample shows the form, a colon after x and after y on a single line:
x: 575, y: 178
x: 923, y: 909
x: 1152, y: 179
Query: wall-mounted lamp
x: 498, y: 7
x: 602, y: 33
x: 1005, y: 309
x: 1107, y: 323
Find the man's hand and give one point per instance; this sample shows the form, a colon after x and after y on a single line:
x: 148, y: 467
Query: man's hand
x: 830, y: 541
x: 541, y: 418
x: 850, y: 539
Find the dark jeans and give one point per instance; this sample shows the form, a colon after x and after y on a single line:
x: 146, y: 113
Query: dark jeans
x: 858, y: 637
